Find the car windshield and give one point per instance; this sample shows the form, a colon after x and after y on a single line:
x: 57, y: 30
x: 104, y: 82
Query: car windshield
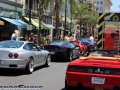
x: 11, y: 44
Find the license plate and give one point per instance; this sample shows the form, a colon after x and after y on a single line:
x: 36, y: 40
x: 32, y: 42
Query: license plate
x: 52, y: 52
x: 98, y: 80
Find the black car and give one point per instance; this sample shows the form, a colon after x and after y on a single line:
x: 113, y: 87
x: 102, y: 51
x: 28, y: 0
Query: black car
x: 63, y: 50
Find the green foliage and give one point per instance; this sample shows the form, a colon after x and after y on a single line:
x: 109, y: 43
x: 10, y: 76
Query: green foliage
x: 80, y: 12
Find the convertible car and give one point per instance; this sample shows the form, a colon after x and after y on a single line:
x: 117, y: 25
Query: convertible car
x: 22, y: 55
x: 94, y: 72
x: 63, y: 50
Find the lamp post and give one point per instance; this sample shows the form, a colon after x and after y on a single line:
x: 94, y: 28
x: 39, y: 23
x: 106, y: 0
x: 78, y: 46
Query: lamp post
x: 71, y: 20
x: 30, y: 7
x: 65, y: 17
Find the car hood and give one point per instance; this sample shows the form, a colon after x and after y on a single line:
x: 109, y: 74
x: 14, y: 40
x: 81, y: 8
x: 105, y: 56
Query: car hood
x: 104, y: 62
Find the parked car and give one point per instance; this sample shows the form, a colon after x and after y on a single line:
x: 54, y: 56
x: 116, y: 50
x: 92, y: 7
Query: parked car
x: 93, y: 73
x: 22, y: 55
x: 63, y: 50
x: 83, y: 48
x: 85, y: 41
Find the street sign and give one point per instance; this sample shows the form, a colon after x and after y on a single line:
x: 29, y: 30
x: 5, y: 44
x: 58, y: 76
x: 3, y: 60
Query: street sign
x: 29, y: 27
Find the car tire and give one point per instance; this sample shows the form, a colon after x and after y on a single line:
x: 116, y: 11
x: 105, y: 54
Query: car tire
x: 85, y: 54
x: 67, y: 87
x: 30, y: 66
x: 48, y: 61
x: 70, y: 56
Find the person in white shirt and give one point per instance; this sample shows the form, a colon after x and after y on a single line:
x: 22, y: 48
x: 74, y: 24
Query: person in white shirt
x: 14, y: 35
x: 91, y: 42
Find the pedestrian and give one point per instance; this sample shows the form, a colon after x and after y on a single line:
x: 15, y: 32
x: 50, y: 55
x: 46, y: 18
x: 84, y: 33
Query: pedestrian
x: 91, y: 42
x: 31, y: 37
x: 15, y: 35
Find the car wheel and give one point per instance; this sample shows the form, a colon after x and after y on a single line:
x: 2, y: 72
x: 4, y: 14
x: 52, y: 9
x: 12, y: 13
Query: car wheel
x: 67, y: 87
x: 86, y: 53
x: 48, y: 61
x: 30, y: 66
x: 70, y: 56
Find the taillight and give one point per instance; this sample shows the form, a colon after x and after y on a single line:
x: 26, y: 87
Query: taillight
x: 10, y: 55
x: 74, y: 69
x: 15, y: 55
x: 63, y: 47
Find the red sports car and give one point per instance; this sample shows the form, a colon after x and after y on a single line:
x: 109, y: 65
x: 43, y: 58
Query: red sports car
x: 83, y: 48
x: 93, y: 72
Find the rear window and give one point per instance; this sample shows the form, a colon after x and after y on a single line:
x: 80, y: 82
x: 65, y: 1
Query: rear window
x: 11, y: 44
x: 59, y: 43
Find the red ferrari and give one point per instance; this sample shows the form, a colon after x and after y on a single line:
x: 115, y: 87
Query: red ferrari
x: 93, y: 73
x: 83, y: 48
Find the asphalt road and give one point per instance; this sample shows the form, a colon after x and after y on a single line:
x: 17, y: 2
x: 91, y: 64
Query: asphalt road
x: 51, y: 78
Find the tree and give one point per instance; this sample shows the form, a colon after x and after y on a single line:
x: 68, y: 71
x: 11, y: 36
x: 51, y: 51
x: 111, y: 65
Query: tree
x: 81, y: 12
x: 41, y: 13
x: 58, y: 5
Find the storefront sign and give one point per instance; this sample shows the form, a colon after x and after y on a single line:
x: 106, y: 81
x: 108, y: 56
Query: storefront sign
x: 7, y: 14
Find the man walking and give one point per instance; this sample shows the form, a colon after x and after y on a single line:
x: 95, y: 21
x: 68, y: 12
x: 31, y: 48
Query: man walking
x: 91, y: 42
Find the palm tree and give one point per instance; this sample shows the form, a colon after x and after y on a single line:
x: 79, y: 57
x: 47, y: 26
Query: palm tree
x: 82, y: 11
x: 58, y: 5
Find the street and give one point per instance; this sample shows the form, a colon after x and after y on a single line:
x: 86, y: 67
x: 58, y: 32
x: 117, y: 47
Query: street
x: 51, y: 78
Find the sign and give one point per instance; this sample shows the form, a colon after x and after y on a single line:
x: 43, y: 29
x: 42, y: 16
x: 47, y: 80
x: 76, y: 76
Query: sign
x: 115, y: 18
x: 106, y: 18
x: 7, y: 14
x: 29, y: 27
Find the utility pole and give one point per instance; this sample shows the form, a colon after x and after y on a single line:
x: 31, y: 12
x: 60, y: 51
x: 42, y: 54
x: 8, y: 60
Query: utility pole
x: 65, y: 17
x: 30, y: 7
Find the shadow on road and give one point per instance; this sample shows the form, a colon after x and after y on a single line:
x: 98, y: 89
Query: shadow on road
x: 15, y: 72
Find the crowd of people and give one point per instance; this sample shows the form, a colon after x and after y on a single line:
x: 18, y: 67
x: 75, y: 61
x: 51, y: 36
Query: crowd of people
x: 45, y: 39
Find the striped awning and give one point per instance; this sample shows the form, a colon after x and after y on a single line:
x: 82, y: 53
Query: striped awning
x: 35, y: 22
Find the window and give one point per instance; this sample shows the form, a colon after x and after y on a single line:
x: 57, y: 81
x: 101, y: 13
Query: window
x: 101, y: 8
x: 31, y: 47
x: 97, y: 2
x: 101, y: 2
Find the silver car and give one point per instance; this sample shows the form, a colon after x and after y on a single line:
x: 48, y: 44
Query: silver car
x: 22, y: 55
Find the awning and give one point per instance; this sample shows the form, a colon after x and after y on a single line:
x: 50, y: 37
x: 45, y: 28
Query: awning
x: 51, y: 26
x: 17, y: 22
x: 35, y: 22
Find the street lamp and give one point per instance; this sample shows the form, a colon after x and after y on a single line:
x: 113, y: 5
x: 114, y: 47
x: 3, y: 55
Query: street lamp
x: 65, y: 17
x: 30, y: 7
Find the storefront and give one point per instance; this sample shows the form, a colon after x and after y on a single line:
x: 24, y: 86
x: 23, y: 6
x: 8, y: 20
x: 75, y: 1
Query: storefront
x: 46, y: 29
x: 10, y: 18
x: 11, y: 23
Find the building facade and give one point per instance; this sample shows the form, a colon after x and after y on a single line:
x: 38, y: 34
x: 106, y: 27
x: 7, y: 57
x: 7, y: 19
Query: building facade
x: 46, y: 24
x: 103, y: 5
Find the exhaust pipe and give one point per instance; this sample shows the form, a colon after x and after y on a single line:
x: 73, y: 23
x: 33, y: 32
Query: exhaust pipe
x: 80, y: 86
x: 116, y: 88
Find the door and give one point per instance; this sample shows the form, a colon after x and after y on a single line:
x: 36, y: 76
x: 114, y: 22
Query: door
x: 37, y: 52
x: 111, y: 36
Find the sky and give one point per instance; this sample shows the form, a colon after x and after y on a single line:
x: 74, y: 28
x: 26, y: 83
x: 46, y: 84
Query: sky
x: 115, y: 7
